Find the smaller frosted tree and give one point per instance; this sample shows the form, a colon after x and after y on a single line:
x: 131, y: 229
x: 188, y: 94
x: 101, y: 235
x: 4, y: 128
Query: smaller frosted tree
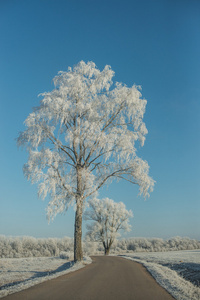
x: 108, y: 218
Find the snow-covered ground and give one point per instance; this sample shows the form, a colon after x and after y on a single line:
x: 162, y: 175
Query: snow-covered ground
x: 17, y: 274
x: 177, y: 271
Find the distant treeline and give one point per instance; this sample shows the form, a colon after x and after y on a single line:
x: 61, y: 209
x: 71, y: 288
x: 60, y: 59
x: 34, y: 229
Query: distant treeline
x: 157, y: 244
x: 16, y: 247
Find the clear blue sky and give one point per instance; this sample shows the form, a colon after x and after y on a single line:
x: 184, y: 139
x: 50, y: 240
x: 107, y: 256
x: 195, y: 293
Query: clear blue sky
x: 155, y: 44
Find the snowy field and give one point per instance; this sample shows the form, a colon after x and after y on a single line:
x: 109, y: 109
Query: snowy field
x: 17, y: 274
x: 177, y: 271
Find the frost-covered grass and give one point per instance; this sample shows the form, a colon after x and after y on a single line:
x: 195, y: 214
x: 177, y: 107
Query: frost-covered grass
x: 26, y: 261
x: 177, y: 271
x: 17, y: 274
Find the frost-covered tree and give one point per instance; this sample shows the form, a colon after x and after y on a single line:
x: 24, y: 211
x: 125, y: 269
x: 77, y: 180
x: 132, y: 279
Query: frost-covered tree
x: 108, y: 218
x: 83, y: 135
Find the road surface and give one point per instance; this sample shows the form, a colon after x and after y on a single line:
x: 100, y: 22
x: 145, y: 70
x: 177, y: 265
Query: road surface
x: 107, y: 278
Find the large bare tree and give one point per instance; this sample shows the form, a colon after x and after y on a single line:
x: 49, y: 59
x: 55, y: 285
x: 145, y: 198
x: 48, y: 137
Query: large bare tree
x: 83, y: 135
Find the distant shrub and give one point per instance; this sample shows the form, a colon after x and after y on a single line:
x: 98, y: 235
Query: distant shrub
x: 157, y: 244
x: 66, y: 255
x: 26, y: 246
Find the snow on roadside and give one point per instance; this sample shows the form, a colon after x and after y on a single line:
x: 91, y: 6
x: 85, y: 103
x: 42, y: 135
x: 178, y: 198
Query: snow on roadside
x: 168, y: 278
x: 17, y: 274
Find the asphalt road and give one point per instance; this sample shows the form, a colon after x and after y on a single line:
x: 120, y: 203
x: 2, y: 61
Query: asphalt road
x: 107, y: 278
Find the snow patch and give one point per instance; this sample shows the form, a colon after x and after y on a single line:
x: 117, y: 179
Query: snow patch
x: 161, y: 267
x: 17, y: 274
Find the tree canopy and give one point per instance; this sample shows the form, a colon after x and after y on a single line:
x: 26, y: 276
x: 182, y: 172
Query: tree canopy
x: 107, y: 219
x: 83, y: 135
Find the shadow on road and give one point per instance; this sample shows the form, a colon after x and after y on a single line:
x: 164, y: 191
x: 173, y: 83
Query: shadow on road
x: 39, y: 274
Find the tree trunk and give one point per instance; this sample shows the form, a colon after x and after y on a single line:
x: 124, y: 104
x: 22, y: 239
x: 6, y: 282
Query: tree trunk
x: 107, y: 245
x: 78, y: 253
x: 107, y: 251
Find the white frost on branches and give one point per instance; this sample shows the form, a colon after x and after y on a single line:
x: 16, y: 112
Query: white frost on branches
x: 87, y: 128
x: 107, y: 219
